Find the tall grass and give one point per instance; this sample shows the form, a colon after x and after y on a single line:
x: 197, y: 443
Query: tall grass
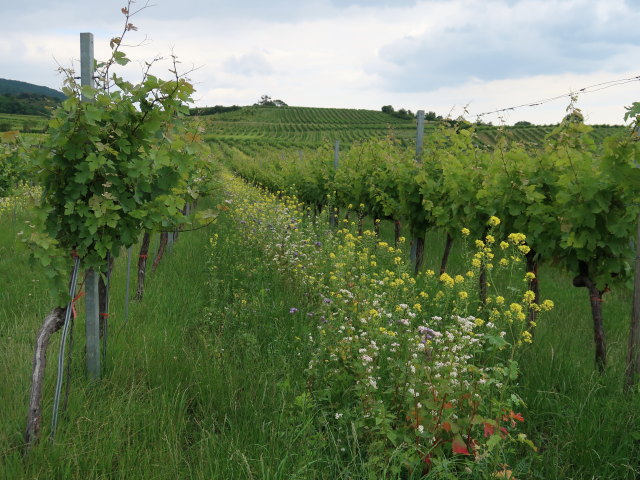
x: 206, y: 379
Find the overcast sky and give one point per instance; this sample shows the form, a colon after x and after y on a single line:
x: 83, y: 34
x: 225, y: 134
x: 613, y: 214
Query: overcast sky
x: 434, y: 55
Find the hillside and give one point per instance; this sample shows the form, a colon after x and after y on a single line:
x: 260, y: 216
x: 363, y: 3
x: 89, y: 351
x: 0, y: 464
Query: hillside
x: 310, y: 127
x: 21, y: 98
x: 15, y: 87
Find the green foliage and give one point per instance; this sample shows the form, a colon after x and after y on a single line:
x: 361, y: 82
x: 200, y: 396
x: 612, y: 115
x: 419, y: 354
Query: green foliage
x: 27, y: 104
x: 16, y: 166
x: 113, y: 166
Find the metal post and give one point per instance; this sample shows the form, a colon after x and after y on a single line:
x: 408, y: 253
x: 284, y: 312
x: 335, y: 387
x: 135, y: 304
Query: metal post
x: 419, y: 141
x: 128, y: 285
x: 87, y: 65
x: 86, y: 62
x: 333, y: 215
x: 93, y: 324
x: 419, y: 135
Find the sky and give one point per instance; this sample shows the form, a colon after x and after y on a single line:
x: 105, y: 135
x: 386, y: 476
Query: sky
x: 453, y: 57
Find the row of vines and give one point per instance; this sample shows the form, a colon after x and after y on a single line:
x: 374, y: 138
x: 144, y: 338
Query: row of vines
x: 576, y: 202
x: 119, y: 160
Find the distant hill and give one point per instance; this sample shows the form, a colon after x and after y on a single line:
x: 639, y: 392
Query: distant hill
x: 15, y: 87
x: 311, y: 127
x: 22, y: 98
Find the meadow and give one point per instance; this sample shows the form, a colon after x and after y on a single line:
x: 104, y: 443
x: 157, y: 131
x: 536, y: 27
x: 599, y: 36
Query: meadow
x: 218, y: 371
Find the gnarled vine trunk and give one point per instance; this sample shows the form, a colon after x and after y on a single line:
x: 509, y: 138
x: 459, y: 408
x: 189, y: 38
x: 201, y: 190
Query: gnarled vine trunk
x: 164, y: 239
x: 445, y: 255
x: 595, y: 299
x: 142, y: 264
x: 52, y: 323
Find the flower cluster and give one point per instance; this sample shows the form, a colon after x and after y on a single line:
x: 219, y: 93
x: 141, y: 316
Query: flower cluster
x: 413, y: 363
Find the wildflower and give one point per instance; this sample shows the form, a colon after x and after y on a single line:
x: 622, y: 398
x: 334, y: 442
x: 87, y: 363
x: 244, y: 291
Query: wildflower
x: 517, y: 238
x: 490, y: 239
x: 293, y: 310
x: 529, y: 276
x: 547, y: 305
x: 459, y: 279
x: 524, y: 249
x: 463, y: 295
x: 465, y: 231
x: 526, y: 337
x: 500, y: 300
x: 528, y: 297
x: 494, y: 221
x: 479, y: 244
x: 504, y: 245
x: 447, y: 280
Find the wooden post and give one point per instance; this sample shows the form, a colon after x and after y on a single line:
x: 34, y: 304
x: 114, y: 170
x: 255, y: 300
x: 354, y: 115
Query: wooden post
x: 417, y: 242
x: 92, y: 324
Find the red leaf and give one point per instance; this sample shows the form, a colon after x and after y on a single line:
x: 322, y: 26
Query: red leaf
x: 458, y: 446
x: 446, y: 426
x: 124, y: 11
x: 488, y: 429
x: 448, y: 405
x: 517, y: 416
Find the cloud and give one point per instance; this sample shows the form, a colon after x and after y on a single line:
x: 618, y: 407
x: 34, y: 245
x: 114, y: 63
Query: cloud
x: 495, y: 40
x: 249, y: 64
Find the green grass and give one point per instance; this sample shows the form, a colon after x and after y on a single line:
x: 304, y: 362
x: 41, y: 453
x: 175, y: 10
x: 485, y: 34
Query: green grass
x: 202, y: 380
x: 24, y: 123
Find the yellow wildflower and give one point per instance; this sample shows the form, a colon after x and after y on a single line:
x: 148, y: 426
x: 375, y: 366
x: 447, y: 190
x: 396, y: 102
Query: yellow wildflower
x: 494, y: 221
x: 547, y: 305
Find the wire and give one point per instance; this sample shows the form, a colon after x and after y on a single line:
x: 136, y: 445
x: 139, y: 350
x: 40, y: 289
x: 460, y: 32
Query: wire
x: 65, y: 330
x: 588, y: 89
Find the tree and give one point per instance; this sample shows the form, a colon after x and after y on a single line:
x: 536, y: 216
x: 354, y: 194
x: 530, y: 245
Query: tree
x: 266, y: 101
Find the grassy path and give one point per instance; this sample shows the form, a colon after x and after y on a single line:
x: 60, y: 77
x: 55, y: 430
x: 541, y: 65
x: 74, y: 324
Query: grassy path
x: 200, y: 383
x: 205, y: 379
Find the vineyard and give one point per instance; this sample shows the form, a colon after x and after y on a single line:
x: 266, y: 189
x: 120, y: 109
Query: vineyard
x: 217, y: 289
x: 305, y: 127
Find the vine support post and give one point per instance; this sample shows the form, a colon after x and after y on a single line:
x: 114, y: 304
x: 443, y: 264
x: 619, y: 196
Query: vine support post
x: 86, y: 62
x: 417, y: 242
x: 633, y: 350
x: 333, y: 215
x: 87, y: 65
x: 128, y: 285
x: 93, y: 324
